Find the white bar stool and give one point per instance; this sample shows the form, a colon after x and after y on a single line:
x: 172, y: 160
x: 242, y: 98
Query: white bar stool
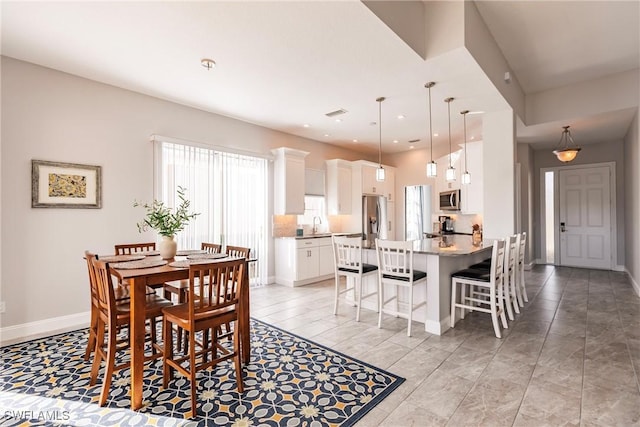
x: 395, y: 268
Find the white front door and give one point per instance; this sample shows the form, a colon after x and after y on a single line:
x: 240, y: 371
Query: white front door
x: 585, y: 217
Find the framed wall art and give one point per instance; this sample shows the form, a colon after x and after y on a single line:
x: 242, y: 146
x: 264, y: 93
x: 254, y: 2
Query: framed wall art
x: 65, y: 185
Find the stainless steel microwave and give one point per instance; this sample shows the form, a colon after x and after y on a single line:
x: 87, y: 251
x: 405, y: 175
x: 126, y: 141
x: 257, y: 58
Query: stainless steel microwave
x: 450, y: 200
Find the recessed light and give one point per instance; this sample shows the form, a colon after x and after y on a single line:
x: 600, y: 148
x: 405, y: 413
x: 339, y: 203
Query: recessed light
x: 338, y: 120
x: 306, y: 125
x: 208, y: 63
x: 411, y: 146
x: 435, y: 134
x: 326, y: 134
x: 395, y: 141
x: 355, y: 140
x: 401, y: 116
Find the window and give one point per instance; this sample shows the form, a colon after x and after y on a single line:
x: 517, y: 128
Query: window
x: 313, y: 208
x: 229, y: 191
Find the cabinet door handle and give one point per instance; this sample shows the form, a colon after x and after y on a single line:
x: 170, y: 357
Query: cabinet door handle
x: 389, y: 226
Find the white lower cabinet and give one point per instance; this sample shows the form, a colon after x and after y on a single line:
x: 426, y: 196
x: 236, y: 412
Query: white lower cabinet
x: 303, y: 261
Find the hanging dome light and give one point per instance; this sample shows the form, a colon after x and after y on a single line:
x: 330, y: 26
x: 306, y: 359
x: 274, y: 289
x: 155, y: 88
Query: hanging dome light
x: 380, y: 170
x: 567, y: 149
x: 450, y: 174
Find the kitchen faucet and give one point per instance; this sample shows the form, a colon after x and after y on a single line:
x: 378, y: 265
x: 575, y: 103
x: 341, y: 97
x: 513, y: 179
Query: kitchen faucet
x: 315, y: 226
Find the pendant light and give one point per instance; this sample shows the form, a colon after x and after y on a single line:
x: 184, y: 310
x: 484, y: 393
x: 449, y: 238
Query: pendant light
x: 380, y: 170
x: 450, y: 174
x: 432, y: 167
x: 567, y: 149
x: 466, y: 176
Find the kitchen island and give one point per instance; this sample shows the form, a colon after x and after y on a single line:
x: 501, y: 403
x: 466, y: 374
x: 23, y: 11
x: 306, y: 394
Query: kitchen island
x: 438, y: 257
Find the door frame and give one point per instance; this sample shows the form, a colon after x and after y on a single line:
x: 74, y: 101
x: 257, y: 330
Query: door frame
x: 556, y: 214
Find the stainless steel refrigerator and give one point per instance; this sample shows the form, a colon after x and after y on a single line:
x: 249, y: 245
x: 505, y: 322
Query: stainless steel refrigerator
x: 374, y: 220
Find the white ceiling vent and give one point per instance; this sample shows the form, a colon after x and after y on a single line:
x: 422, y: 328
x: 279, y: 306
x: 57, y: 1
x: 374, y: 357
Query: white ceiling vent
x: 336, y: 113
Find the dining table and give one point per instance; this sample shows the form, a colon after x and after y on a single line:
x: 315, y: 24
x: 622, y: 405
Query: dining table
x: 139, y: 279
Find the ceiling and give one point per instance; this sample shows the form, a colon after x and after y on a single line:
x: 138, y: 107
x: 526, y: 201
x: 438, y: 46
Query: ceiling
x: 286, y: 64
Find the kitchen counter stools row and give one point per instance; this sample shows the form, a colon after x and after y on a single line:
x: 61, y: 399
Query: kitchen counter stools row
x: 439, y: 258
x: 394, y: 270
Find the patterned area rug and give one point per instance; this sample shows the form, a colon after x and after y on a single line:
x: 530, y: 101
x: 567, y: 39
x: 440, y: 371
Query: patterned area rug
x: 290, y: 381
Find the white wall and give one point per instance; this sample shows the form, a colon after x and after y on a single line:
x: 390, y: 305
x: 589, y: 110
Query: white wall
x: 632, y: 202
x: 50, y: 115
x: 498, y: 166
x: 597, y: 96
x: 525, y: 159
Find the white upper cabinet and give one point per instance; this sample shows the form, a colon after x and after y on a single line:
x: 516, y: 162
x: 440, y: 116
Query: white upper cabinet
x: 338, y: 187
x: 289, y: 181
x: 365, y: 175
x: 314, y: 182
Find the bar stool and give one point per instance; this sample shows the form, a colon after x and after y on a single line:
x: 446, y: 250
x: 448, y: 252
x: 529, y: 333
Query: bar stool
x: 520, y: 284
x: 347, y: 252
x: 395, y: 268
x: 491, y: 281
x: 510, y: 278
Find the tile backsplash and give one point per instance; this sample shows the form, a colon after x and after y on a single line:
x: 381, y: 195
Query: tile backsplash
x: 462, y: 223
x: 284, y: 225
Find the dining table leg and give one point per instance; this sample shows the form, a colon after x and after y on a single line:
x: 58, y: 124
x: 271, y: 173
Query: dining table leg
x: 137, y: 339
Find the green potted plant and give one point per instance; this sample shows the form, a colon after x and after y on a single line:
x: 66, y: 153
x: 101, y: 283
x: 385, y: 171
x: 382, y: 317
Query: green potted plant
x: 166, y: 221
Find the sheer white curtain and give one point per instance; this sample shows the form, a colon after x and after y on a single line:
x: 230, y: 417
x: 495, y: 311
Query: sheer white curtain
x: 228, y: 190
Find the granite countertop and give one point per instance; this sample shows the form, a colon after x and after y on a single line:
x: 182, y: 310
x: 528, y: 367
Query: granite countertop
x: 317, y: 235
x: 449, y: 245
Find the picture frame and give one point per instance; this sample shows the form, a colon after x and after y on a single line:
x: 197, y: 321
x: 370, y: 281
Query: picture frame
x: 65, y: 185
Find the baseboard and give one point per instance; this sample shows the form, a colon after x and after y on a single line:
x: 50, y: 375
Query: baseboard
x: 438, y: 328
x: 635, y: 285
x: 530, y: 265
x: 539, y: 261
x: 619, y: 268
x: 27, y: 331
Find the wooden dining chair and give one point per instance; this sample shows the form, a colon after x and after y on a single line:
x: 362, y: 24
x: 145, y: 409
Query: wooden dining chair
x: 179, y: 288
x: 121, y: 294
x: 212, y: 248
x: 238, y: 251
x: 133, y: 248
x: 218, y: 303
x: 113, y: 315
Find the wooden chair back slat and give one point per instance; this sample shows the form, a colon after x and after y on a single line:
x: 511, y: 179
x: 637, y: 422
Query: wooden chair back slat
x: 217, y: 284
x: 238, y: 251
x: 104, y: 284
x: 132, y: 248
x: 212, y: 248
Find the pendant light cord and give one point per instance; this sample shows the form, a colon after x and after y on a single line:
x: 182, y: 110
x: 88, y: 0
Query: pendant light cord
x: 429, y: 86
x: 379, y: 100
x: 448, y: 100
x: 380, y: 133
x: 464, y: 117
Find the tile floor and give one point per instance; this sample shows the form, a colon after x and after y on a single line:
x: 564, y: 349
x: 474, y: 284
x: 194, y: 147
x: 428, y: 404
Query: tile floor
x: 572, y: 357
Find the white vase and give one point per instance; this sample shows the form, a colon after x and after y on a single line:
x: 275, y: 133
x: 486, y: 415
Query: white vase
x: 168, y: 247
